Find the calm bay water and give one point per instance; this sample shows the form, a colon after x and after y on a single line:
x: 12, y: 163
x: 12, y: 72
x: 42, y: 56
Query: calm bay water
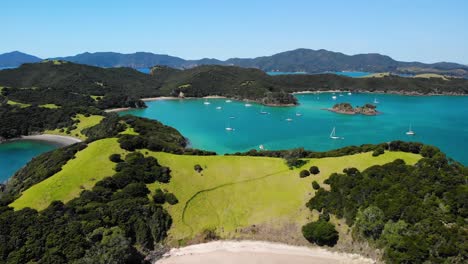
x: 437, y: 120
x: 15, y: 154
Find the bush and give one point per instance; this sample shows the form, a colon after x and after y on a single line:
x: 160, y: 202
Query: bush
x: 315, y: 185
x: 320, y: 233
x: 115, y: 158
x: 159, y: 197
x: 295, y: 162
x: 378, y: 151
x: 324, y: 217
x: 198, y: 168
x: 314, y: 170
x: 304, y: 173
x: 171, y: 198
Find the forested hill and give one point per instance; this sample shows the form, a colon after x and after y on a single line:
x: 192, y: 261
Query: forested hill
x: 16, y: 58
x: 307, y: 60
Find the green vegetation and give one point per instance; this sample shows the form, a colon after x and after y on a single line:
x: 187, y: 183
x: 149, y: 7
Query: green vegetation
x: 82, y: 122
x: 114, y: 222
x: 321, y: 233
x: 222, y: 194
x: 90, y: 165
x: 416, y: 214
x: 50, y: 106
x: 10, y: 102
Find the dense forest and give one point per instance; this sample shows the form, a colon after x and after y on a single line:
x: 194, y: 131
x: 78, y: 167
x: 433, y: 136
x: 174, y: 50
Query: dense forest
x: 416, y: 214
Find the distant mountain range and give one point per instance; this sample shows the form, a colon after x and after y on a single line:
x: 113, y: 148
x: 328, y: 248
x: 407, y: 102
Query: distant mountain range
x: 16, y: 58
x: 299, y: 60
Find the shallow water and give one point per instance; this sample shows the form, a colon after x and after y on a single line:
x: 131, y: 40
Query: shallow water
x: 437, y: 120
x: 15, y: 154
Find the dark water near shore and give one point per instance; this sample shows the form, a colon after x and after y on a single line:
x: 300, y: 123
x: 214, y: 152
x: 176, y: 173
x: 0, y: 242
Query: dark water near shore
x: 438, y: 120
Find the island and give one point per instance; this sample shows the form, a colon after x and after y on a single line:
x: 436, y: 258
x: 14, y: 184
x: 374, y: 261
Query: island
x: 131, y: 189
x: 347, y: 109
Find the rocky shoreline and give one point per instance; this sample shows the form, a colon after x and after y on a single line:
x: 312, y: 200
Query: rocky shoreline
x: 347, y: 109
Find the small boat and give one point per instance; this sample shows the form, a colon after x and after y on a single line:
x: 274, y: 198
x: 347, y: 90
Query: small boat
x: 219, y: 108
x: 289, y: 119
x: 333, y: 134
x: 410, y: 132
x: 349, y: 93
x: 340, y: 95
x: 334, y: 97
x: 229, y: 129
x: 248, y: 105
x: 232, y: 117
x: 206, y: 102
x: 376, y: 101
x: 298, y: 114
x: 228, y: 101
x: 261, y: 147
x: 263, y: 112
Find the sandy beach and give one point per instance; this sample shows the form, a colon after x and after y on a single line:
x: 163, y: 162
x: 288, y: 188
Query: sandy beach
x: 60, y: 140
x: 256, y: 252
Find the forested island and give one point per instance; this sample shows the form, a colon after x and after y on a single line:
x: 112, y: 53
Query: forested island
x: 347, y: 109
x: 122, y: 195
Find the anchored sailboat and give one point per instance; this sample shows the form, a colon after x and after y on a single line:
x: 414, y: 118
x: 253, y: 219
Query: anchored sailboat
x: 206, y: 102
x: 410, y: 132
x: 375, y: 100
x: 262, y: 111
x: 333, y: 134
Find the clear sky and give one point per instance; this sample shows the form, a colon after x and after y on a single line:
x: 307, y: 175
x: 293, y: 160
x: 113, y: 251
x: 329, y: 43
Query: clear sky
x: 409, y: 30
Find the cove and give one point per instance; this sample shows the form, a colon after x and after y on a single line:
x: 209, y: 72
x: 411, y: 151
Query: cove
x: 437, y: 120
x: 15, y: 154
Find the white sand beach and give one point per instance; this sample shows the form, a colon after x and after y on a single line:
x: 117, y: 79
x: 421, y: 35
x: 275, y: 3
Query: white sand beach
x: 61, y: 140
x: 256, y: 252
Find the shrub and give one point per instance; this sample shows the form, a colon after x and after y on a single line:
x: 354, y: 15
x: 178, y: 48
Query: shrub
x: 115, y: 158
x: 315, y: 185
x: 295, y: 162
x: 304, y: 173
x: 378, y: 151
x: 314, y: 170
x: 171, y: 198
x: 324, y: 217
x: 198, y: 168
x: 320, y: 233
x: 159, y: 197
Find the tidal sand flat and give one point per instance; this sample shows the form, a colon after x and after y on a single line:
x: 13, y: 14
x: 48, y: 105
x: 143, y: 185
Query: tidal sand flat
x: 256, y: 252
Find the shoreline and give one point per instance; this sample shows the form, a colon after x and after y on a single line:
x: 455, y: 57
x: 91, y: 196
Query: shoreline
x: 379, y: 92
x: 255, y: 252
x: 62, y: 141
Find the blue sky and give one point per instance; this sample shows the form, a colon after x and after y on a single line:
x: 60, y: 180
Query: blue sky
x: 427, y: 31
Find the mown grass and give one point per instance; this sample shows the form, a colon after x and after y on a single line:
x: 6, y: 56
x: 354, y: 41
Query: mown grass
x: 235, y: 192
x: 90, y: 166
x: 377, y: 75
x: 10, y: 102
x: 50, y: 106
x: 430, y: 75
x: 84, y: 122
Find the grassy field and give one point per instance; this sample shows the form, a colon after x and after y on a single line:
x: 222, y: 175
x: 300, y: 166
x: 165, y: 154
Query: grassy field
x: 235, y: 192
x: 84, y: 122
x: 431, y: 75
x: 50, y: 106
x: 377, y: 75
x: 90, y: 165
x: 10, y: 102
x: 96, y: 97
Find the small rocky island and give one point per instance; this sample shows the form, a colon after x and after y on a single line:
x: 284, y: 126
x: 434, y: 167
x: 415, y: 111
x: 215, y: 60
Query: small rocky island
x: 347, y: 109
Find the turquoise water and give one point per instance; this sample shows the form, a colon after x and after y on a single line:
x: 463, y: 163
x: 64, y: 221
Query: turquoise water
x: 348, y: 74
x: 15, y: 154
x: 437, y: 120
